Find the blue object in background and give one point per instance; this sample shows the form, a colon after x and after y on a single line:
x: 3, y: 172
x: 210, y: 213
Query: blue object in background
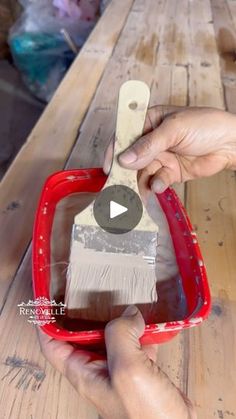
x: 43, y: 59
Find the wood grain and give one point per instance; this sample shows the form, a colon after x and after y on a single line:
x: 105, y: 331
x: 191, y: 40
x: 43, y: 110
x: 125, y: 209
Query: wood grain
x: 172, y: 46
x: 30, y: 387
x: 210, y: 204
x: 51, y: 141
x: 224, y: 15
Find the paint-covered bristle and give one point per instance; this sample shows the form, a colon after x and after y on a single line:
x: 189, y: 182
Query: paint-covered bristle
x: 107, y: 273
x: 100, y: 285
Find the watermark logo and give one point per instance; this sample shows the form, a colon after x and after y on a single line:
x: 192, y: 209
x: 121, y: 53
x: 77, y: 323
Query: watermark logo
x: 42, y: 311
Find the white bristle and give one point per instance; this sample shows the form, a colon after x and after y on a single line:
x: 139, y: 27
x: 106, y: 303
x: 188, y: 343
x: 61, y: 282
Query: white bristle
x: 100, y: 287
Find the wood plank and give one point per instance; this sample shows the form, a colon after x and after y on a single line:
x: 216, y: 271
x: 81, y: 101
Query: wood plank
x: 134, y: 58
x: 174, y: 42
x: 171, y: 74
x: 172, y: 357
x: 210, y: 204
x: 21, y: 394
x: 224, y: 14
x: 212, y: 371
x: 204, y: 72
x: 126, y: 66
x: 232, y: 10
x: 225, y: 31
x: 52, y: 139
x: 197, y: 361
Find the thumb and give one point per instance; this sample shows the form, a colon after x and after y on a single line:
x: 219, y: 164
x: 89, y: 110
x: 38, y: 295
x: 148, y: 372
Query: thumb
x: 147, y: 148
x: 122, y: 338
x: 165, y: 177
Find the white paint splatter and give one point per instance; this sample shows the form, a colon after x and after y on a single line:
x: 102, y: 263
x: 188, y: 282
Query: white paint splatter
x: 196, y: 320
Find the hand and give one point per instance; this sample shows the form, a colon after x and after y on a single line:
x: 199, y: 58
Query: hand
x: 180, y: 144
x: 128, y: 385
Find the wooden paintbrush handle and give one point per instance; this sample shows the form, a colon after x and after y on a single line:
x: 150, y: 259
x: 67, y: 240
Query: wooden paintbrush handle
x: 133, y: 102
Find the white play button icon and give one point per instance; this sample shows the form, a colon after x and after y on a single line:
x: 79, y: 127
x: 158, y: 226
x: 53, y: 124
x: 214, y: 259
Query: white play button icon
x: 116, y: 209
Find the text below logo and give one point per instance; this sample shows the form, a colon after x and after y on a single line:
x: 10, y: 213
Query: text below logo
x: 42, y: 311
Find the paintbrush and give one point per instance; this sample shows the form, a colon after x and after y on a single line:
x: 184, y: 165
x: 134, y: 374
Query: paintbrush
x: 114, y: 240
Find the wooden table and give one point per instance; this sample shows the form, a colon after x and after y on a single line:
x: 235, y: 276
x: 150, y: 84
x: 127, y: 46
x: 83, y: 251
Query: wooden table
x: 172, y: 46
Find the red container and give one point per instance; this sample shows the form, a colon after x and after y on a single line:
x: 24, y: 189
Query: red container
x: 188, y: 256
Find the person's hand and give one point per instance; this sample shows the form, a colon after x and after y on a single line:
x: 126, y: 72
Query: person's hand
x: 181, y: 144
x: 126, y: 385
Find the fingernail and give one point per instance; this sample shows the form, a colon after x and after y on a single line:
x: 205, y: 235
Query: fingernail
x: 130, y: 311
x: 158, y: 186
x: 128, y: 157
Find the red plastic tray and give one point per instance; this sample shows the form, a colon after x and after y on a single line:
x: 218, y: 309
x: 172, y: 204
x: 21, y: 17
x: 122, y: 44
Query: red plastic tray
x: 188, y: 256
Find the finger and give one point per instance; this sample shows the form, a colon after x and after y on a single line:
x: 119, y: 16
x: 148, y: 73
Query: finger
x: 148, y: 147
x: 172, y: 171
x: 55, y: 351
x: 144, y: 176
x: 58, y: 352
x: 157, y: 137
x: 161, y: 173
x: 122, y: 339
x: 162, y: 180
x: 81, y: 368
x: 178, y: 169
x: 143, y: 151
x: 156, y: 114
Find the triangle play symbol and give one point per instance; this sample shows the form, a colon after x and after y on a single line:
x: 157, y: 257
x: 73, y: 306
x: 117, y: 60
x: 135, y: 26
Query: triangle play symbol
x: 116, y: 209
